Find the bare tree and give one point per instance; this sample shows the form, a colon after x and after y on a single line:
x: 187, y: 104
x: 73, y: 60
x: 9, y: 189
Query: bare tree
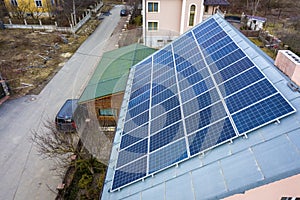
x: 254, y: 6
x: 58, y: 146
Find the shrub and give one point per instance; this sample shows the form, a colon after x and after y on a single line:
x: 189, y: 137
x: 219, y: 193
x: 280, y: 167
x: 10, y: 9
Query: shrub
x: 85, y: 181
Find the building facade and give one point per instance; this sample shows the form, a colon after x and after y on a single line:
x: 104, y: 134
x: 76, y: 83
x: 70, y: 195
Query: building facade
x: 28, y: 8
x: 165, y: 20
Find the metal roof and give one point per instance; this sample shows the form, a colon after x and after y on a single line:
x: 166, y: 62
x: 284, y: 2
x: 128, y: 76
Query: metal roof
x: 111, y: 74
x: 216, y: 2
x: 267, y: 154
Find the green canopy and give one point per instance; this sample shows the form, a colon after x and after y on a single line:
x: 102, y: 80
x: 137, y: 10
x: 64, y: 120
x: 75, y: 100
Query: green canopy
x: 111, y: 74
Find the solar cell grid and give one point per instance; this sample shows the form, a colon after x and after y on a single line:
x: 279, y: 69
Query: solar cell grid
x: 166, y: 136
x: 204, y: 117
x: 225, y: 61
x: 164, y: 76
x: 145, y: 71
x: 238, y: 82
x: 205, y: 29
x: 220, y: 36
x: 217, y: 44
x: 165, y: 157
x: 193, y: 95
x: 138, y: 99
x: 250, y: 95
x: 140, y: 91
x: 130, y: 173
x: 143, y: 65
x: 201, y: 38
x: 231, y: 47
x: 161, y: 70
x: 162, y: 96
x: 132, y: 152
x: 204, y: 25
x: 199, y: 88
x: 164, y: 106
x: 233, y: 70
x: 141, y: 81
x: 270, y: 109
x: 134, y: 135
x: 139, y: 109
x: 200, y: 102
x: 210, y: 136
x: 167, y: 84
x: 165, y: 120
x: 186, y: 39
x: 139, y: 119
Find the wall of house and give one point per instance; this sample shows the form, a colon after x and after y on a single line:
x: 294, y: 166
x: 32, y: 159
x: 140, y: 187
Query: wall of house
x: 173, y: 20
x: 210, y: 11
x: 186, y: 14
x: 109, y: 102
x: 29, y: 6
x: 168, y: 18
x: 288, y: 187
x: 97, y: 132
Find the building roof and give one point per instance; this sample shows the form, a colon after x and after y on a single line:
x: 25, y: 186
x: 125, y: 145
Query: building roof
x: 111, y: 74
x: 216, y: 3
x: 264, y: 154
x: 263, y: 19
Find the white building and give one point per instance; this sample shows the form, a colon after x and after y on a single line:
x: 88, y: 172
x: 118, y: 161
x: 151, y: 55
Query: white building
x: 164, y: 20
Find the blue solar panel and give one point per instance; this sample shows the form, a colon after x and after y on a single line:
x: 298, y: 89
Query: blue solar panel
x: 136, y: 101
x: 166, y: 136
x: 204, y: 117
x: 134, y: 135
x: 201, y: 102
x: 250, y: 95
x: 232, y: 70
x: 240, y: 81
x: 269, y: 110
x: 132, y: 152
x: 165, y: 120
x: 165, y: 157
x: 130, y: 173
x: 211, y: 136
x: 225, y: 61
x: 199, y: 92
x: 216, y: 45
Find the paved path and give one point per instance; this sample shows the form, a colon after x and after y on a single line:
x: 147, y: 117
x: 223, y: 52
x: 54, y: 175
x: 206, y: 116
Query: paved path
x: 23, y: 175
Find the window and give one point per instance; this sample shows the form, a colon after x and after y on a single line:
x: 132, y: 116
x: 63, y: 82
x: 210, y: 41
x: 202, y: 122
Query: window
x: 14, y: 2
x: 152, y: 6
x: 206, y: 9
x: 108, y: 112
x: 152, y: 26
x: 38, y: 3
x: 192, y: 15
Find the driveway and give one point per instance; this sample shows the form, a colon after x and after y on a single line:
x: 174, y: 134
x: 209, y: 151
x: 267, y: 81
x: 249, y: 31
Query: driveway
x: 23, y: 174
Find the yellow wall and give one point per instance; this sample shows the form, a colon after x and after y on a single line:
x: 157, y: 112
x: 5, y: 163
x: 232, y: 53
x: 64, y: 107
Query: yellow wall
x: 29, y: 6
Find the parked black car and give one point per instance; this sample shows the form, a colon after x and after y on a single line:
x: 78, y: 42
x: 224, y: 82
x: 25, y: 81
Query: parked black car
x: 123, y: 12
x: 64, y: 119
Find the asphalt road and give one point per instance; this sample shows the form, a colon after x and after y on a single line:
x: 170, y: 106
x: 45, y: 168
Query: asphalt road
x: 23, y: 174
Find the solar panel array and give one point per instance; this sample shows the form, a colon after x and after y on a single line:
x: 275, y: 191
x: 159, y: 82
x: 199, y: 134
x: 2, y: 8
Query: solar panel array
x: 200, y: 91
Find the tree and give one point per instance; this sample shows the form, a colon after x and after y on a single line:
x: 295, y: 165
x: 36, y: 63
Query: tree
x: 58, y: 146
x: 254, y: 5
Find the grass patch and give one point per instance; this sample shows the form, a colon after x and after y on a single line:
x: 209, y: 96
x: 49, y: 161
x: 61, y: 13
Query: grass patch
x: 260, y: 44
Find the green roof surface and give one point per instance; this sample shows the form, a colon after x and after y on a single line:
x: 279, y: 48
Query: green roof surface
x: 111, y: 74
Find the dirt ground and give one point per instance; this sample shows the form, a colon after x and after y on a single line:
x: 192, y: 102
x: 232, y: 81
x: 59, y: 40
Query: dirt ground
x: 30, y: 58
